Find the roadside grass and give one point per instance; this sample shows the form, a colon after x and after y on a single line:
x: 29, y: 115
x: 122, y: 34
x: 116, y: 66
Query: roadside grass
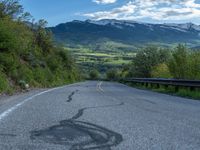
x: 4, y: 84
x: 189, y: 94
x: 182, y: 92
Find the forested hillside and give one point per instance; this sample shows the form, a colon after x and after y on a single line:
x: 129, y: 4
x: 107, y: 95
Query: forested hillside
x: 28, y: 54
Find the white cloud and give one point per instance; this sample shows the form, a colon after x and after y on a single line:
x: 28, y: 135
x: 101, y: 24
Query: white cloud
x: 116, y: 13
x: 191, y: 3
x: 153, y: 9
x: 104, y: 1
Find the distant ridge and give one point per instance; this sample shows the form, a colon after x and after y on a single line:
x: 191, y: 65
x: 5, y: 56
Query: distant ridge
x: 132, y: 33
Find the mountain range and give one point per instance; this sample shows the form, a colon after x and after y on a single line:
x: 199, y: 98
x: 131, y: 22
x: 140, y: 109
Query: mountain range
x: 123, y: 34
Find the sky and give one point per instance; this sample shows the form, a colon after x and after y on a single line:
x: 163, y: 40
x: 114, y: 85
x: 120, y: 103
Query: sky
x: 151, y: 11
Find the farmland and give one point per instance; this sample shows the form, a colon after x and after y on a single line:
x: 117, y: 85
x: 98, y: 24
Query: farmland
x: 89, y: 59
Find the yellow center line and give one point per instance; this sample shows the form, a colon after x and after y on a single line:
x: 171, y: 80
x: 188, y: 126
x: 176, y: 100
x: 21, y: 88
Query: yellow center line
x: 99, y: 88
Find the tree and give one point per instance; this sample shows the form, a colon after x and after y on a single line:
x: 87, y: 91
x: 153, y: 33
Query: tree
x: 146, y: 59
x: 194, y: 65
x: 94, y: 74
x: 161, y: 71
x: 43, y: 37
x: 178, y: 64
x: 25, y: 17
x: 10, y: 8
x: 41, y: 24
x: 7, y: 37
x: 112, y: 74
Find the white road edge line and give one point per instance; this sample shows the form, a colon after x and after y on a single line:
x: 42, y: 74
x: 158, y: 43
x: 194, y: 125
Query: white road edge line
x: 7, y: 112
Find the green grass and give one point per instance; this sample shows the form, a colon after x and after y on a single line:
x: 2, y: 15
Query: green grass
x: 189, y: 94
x: 89, y: 59
x: 4, y: 85
x: 95, y: 54
x: 182, y: 92
x: 118, y: 62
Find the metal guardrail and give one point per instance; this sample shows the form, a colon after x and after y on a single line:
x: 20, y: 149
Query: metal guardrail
x: 192, y: 84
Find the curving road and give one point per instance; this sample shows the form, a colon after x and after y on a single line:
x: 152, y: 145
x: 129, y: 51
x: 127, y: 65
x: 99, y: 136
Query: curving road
x: 98, y: 116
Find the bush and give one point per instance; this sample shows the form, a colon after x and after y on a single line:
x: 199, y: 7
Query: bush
x: 178, y: 64
x: 194, y: 66
x: 161, y: 71
x: 185, y: 63
x: 43, y: 76
x: 4, y: 84
x: 23, y: 84
x: 112, y: 74
x: 94, y: 74
x: 146, y: 59
x: 8, y: 40
x: 8, y: 62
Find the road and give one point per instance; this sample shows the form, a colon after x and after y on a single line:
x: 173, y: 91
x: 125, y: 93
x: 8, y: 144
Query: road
x: 97, y: 115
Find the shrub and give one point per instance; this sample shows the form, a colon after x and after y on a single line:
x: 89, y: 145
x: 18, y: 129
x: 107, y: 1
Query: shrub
x: 4, y: 84
x: 161, y: 71
x: 194, y: 66
x: 112, y: 74
x: 178, y: 64
x: 94, y: 74
x: 148, y: 58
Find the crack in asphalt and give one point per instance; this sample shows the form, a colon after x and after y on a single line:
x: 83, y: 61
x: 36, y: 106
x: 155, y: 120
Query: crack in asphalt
x: 81, y: 111
x: 71, y: 95
x: 6, y: 134
x: 80, y: 135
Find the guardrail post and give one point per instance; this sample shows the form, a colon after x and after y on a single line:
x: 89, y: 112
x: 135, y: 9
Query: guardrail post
x: 192, y: 88
x: 158, y: 86
x: 146, y: 84
x: 176, y: 88
x: 166, y: 86
x: 152, y: 85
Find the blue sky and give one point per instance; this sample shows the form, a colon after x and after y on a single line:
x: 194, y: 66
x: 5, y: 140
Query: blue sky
x: 153, y: 11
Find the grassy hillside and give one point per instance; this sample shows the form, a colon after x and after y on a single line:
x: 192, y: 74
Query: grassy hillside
x: 28, y: 54
x: 102, y: 61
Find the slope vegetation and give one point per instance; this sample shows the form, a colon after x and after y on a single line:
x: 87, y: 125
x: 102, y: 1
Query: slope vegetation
x: 28, y: 54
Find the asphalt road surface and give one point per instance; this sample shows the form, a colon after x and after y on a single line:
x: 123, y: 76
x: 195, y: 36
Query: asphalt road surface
x: 99, y: 116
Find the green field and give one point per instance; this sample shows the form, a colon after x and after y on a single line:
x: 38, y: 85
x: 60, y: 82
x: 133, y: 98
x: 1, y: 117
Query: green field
x: 89, y: 59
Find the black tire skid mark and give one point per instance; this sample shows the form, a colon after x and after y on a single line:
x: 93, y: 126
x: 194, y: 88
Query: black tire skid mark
x: 100, y: 137
x: 112, y: 138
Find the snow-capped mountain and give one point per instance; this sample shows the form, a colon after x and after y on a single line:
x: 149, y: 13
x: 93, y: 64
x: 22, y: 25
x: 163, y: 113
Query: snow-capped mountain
x: 112, y: 22
x: 124, y: 23
x: 126, y: 32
